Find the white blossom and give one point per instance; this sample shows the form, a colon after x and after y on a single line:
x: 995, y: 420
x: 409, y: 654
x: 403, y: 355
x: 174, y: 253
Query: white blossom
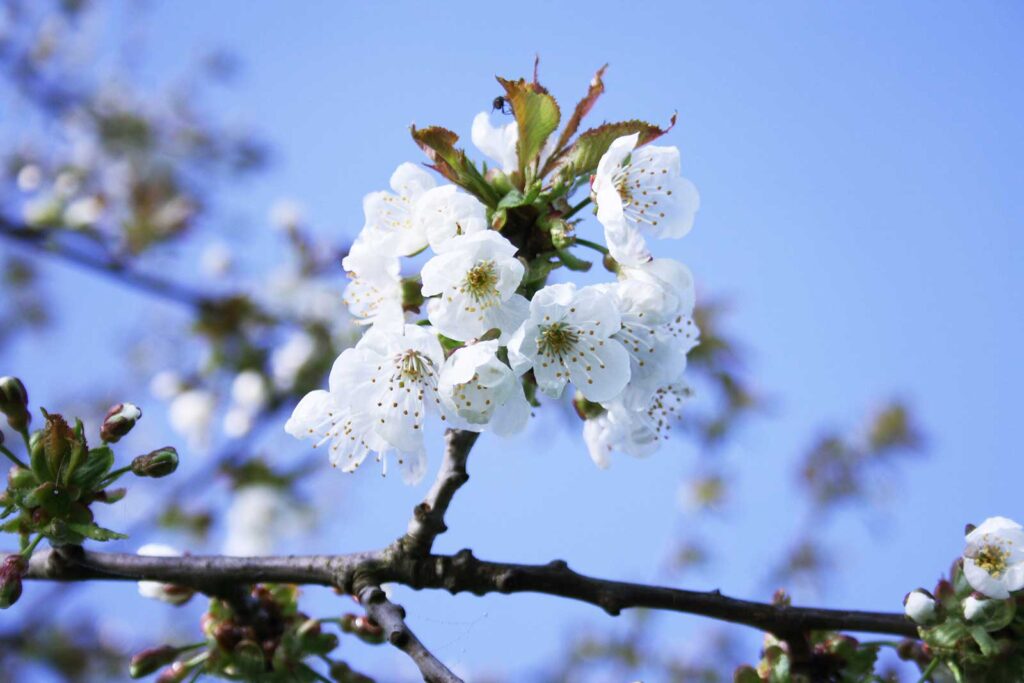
x: 190, y: 414
x: 640, y: 191
x: 392, y: 213
x: 165, y: 385
x: 216, y: 260
x: 634, y: 432
x: 483, y: 391
x: 237, y: 422
x: 380, y: 393
x: 445, y: 212
x: 497, y: 142
x: 258, y: 517
x: 672, y: 278
x: 476, y: 277
x: 287, y: 360
x: 568, y: 336
x: 154, y: 589
x: 285, y: 214
x: 994, y: 557
x: 83, y: 212
x: 375, y: 289
x: 249, y: 390
x: 657, y: 345
x: 30, y: 177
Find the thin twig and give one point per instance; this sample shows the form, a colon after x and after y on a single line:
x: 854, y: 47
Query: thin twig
x: 427, y: 521
x: 391, y: 618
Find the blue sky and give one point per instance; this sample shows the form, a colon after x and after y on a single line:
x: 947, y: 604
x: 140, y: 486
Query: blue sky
x: 859, y: 167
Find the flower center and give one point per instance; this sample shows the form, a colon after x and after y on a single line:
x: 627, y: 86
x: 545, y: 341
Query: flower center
x: 413, y: 366
x: 481, y: 281
x: 992, y: 558
x: 557, y: 339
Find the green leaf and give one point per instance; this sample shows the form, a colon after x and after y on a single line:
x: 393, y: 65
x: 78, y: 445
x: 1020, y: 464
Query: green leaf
x: 582, y: 158
x: 95, y: 532
x: 537, y: 116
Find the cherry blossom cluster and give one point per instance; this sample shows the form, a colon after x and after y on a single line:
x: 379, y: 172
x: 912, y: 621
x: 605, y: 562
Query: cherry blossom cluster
x: 474, y: 335
x: 971, y: 618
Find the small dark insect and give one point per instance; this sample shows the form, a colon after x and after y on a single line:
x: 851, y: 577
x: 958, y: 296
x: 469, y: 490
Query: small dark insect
x: 502, y: 105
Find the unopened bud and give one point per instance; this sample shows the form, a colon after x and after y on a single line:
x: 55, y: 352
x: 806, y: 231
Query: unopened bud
x: 919, y: 605
x: 148, y: 661
x: 159, y: 463
x: 12, y: 570
x: 14, y: 403
x: 119, y: 421
x: 990, y: 614
x: 412, y: 294
x: 21, y: 478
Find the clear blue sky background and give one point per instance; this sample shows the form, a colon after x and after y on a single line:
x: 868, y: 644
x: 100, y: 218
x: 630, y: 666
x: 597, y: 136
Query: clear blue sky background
x: 860, y: 172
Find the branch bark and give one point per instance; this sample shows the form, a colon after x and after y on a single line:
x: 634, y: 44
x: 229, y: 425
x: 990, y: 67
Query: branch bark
x: 457, y: 573
x: 391, y: 618
x: 427, y: 521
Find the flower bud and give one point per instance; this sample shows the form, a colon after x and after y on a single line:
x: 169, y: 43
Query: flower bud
x: 148, y: 661
x: 57, y: 442
x: 20, y: 478
x: 159, y: 463
x: 990, y: 614
x: 119, y: 421
x: 12, y: 570
x: 14, y: 403
x: 919, y: 605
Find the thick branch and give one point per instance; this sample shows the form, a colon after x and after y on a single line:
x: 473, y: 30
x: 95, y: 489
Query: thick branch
x: 198, y: 571
x: 463, y: 572
x: 427, y: 521
x: 457, y: 573
x: 391, y: 618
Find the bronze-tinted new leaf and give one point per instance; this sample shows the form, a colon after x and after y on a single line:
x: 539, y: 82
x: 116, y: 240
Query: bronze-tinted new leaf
x: 583, y: 108
x: 591, y: 145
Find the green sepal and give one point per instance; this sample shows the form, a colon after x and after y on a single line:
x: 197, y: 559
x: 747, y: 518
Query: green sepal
x: 572, y: 262
x: 96, y: 533
x: 94, y: 469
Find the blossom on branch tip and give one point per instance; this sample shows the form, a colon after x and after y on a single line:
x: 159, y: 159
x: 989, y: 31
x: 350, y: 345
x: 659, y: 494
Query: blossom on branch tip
x: 380, y: 393
x: 635, y: 432
x: 641, y: 191
x: 497, y: 142
x: 445, y: 212
x: 994, y: 557
x: 375, y: 289
x: 476, y: 278
x: 482, y: 391
x: 568, y: 336
x: 391, y: 214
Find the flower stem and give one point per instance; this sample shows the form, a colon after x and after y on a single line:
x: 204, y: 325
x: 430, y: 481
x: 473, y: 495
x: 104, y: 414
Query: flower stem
x: 574, y: 210
x: 926, y: 674
x: 592, y: 245
x: 114, y: 476
x: 15, y: 459
x: 27, y: 551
